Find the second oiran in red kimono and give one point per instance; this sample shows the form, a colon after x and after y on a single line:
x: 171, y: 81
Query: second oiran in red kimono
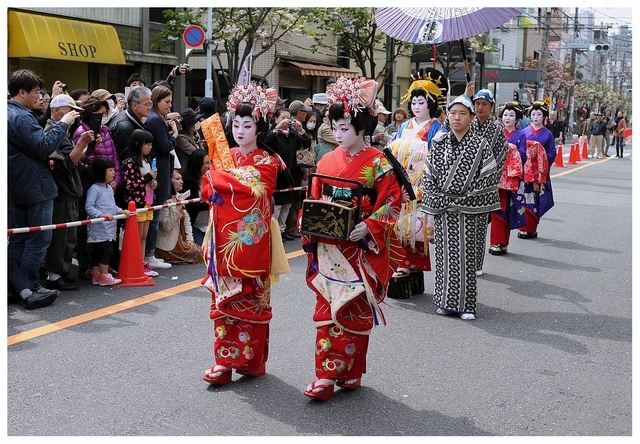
x: 350, y: 277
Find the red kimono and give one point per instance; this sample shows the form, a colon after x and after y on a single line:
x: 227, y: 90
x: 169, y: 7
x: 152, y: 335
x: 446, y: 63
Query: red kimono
x: 350, y: 279
x: 235, y: 247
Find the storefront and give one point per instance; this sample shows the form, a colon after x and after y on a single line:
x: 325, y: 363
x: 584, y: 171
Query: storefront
x: 80, y: 53
x: 299, y: 80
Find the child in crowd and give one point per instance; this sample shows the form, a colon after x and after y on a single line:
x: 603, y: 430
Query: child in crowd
x: 102, y: 236
x: 139, y: 182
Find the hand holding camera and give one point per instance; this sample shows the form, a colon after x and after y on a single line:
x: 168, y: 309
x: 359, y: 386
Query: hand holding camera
x: 58, y: 88
x: 181, y: 69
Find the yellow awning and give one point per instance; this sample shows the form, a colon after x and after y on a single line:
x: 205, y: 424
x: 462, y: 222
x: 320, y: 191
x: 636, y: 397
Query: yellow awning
x: 39, y: 36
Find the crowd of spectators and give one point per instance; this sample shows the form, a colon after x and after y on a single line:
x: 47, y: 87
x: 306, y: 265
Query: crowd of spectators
x: 85, y: 154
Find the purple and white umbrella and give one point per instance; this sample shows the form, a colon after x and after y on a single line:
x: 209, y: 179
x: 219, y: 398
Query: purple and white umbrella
x: 438, y: 25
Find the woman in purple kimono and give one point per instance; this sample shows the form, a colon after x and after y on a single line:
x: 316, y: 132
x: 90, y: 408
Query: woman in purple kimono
x: 538, y: 198
x: 511, y: 212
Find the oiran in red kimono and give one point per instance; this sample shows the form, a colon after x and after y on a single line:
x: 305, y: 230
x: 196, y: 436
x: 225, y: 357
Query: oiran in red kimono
x: 237, y: 241
x: 350, y: 277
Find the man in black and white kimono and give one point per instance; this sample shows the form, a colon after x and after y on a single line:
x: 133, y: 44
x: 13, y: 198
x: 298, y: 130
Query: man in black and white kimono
x: 460, y: 188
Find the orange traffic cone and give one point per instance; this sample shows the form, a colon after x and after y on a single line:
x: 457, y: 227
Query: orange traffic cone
x: 572, y: 155
x: 585, y: 153
x: 559, y: 160
x: 131, y: 269
x: 578, y: 152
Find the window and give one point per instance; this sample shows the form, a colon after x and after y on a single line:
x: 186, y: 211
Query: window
x: 536, y: 55
x: 155, y: 15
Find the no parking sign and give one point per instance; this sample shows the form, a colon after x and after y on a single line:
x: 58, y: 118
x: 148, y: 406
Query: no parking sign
x: 193, y: 36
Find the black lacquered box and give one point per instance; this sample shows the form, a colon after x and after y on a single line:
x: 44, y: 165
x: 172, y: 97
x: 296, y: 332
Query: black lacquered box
x: 332, y: 219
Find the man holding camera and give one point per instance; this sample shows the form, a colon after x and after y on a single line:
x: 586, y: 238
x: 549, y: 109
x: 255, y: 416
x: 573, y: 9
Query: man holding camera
x: 32, y: 188
x: 66, y: 206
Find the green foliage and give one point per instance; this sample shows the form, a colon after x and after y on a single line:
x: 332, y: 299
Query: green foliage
x: 238, y: 31
x: 591, y: 94
x: 359, y: 38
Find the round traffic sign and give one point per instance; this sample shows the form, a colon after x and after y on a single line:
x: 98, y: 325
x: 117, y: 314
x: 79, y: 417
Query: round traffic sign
x: 193, y: 36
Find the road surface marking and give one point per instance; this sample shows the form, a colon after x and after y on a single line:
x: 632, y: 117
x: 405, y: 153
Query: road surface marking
x: 573, y: 170
x: 116, y: 308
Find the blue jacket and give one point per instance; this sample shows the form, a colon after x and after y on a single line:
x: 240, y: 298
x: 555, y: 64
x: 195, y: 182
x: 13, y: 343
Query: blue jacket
x: 100, y: 200
x: 30, y: 177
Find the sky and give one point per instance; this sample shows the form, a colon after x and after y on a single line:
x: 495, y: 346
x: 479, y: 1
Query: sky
x: 619, y: 16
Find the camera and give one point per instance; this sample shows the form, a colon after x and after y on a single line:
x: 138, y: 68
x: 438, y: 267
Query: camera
x: 63, y: 87
x: 186, y: 66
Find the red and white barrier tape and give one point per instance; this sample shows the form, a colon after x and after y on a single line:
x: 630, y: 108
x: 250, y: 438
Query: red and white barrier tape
x: 78, y: 223
x: 66, y: 225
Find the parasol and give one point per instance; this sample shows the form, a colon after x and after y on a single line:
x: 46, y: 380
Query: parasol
x: 438, y: 25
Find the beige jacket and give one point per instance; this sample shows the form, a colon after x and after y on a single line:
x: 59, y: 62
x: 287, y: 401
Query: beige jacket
x: 325, y: 133
x: 169, y: 227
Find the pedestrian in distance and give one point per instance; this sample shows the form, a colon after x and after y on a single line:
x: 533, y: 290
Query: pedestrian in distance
x: 618, y: 138
x: 459, y: 188
x: 237, y: 245
x: 347, y: 296
x: 598, y: 132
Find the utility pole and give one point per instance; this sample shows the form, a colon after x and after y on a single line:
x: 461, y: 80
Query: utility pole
x: 545, y: 52
x: 572, y: 102
x: 390, y: 80
x: 208, y: 83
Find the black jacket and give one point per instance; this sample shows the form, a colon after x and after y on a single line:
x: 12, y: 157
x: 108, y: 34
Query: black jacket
x: 65, y: 172
x: 287, y: 147
x: 121, y: 127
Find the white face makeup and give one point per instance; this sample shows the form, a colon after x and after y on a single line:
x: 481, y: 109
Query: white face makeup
x: 244, y: 132
x: 420, y: 108
x: 346, y: 135
x: 509, y: 119
x: 537, y: 117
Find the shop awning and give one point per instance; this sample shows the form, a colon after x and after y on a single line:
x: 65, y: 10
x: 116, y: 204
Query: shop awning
x: 39, y: 36
x: 309, y: 69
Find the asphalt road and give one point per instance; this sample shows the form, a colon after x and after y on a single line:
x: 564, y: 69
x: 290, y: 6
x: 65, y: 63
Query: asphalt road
x: 549, y: 352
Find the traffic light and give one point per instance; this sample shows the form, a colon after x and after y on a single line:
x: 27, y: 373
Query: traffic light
x: 599, y: 47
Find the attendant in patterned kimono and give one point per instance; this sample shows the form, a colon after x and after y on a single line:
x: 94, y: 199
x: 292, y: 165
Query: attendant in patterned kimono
x: 237, y: 241
x: 459, y: 189
x: 350, y: 278
x: 410, y: 147
x: 539, y: 197
x: 511, y: 184
x: 492, y: 131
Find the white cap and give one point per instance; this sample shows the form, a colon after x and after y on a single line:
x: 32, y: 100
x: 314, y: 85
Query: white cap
x: 64, y: 100
x: 320, y: 98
